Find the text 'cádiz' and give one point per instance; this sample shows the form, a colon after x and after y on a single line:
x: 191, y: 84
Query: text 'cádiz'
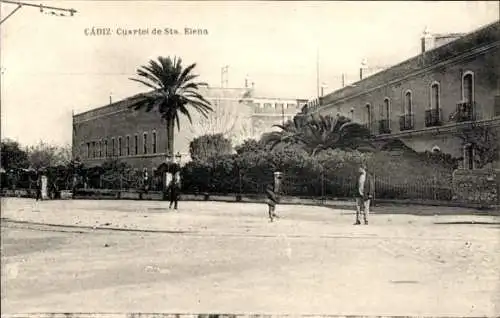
x: 99, y: 31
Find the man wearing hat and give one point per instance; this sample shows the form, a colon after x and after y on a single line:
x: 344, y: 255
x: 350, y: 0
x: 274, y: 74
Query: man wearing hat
x: 363, y: 195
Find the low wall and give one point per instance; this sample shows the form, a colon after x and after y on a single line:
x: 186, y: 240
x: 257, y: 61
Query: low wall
x: 479, y: 187
x: 340, y: 203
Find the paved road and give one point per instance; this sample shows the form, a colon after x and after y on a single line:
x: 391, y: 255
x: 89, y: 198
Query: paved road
x: 131, y: 256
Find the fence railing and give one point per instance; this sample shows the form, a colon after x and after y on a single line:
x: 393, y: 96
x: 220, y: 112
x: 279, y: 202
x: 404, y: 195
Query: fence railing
x: 433, y: 117
x: 323, y: 184
x: 384, y: 126
x: 466, y: 111
x: 406, y: 122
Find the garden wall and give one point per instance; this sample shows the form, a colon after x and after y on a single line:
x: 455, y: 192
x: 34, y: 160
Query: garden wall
x: 477, y: 186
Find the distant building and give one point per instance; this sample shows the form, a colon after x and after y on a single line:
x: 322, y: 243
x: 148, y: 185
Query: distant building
x: 140, y: 138
x: 422, y: 101
x: 267, y: 112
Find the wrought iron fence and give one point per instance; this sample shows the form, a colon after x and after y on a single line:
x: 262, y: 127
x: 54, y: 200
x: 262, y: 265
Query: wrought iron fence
x: 324, y: 184
x: 406, y: 122
x: 433, y: 117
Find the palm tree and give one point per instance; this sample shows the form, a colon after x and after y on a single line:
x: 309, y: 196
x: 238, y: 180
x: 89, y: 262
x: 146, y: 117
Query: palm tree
x: 290, y: 133
x: 172, y: 91
x: 326, y: 132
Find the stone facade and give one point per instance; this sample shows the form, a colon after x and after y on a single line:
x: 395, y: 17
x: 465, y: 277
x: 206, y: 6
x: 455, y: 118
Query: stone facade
x: 272, y: 111
x: 140, y: 138
x: 425, y: 100
x: 477, y: 186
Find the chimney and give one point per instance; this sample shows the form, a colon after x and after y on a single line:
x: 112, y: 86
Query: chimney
x: 246, y: 82
x: 427, y: 41
x: 364, y: 65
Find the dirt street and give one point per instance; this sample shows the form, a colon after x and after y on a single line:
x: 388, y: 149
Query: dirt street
x: 209, y: 257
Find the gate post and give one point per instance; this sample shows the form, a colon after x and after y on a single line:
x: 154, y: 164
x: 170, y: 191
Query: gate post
x: 278, y: 178
x: 44, y: 188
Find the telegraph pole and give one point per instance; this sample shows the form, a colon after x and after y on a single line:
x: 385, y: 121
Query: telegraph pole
x: 53, y: 10
x: 317, y: 71
x: 283, y: 114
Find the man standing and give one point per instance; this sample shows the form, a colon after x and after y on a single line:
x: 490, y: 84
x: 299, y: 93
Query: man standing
x: 173, y: 190
x: 363, y: 195
x: 272, y: 200
x: 39, y: 188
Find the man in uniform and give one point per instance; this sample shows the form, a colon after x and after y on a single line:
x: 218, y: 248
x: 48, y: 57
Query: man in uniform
x: 363, y: 195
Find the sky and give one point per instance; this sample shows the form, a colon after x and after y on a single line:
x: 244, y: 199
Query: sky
x: 51, y: 67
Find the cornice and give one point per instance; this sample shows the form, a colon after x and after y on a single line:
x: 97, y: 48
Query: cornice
x: 452, y: 61
x: 440, y: 130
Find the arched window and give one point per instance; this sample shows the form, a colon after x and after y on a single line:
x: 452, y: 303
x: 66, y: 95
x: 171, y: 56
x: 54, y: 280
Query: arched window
x: 106, y: 153
x: 433, y: 114
x: 386, y: 109
x: 408, y: 103
x: 145, y: 143
x: 136, y: 145
x: 120, y: 146
x: 113, y: 148
x: 435, y: 96
x: 127, y: 145
x: 154, y: 142
x: 368, y: 114
x: 468, y: 87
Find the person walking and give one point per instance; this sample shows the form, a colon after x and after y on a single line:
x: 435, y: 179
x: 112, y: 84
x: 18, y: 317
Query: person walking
x: 272, y: 201
x: 363, y: 195
x: 39, y: 188
x: 173, y: 190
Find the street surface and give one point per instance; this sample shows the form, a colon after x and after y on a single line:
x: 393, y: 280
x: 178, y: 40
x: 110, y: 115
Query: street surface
x: 212, y: 257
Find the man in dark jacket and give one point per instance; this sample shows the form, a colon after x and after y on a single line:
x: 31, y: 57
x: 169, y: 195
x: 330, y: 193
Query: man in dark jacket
x: 173, y: 191
x: 364, y: 194
x: 39, y: 188
x: 272, y: 200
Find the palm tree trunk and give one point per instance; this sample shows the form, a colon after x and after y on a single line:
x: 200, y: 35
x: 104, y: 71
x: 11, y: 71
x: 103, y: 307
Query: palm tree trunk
x: 170, y: 137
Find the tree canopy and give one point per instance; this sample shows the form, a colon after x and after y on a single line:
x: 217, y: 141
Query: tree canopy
x: 208, y: 146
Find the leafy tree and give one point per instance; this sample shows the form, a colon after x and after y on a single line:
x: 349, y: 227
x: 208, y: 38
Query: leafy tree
x: 224, y: 120
x: 209, y: 146
x: 172, y: 92
x: 44, y: 155
x: 485, y: 143
x: 249, y: 145
x: 12, y: 156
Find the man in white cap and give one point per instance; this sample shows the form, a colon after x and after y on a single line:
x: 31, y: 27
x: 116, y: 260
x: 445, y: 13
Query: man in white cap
x: 363, y: 195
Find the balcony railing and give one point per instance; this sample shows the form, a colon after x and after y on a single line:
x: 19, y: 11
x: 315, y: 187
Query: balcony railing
x: 384, y: 126
x: 433, y: 117
x: 466, y: 111
x: 406, y: 122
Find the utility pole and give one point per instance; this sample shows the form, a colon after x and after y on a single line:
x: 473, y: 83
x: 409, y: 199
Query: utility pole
x: 317, y: 72
x: 343, y: 80
x: 53, y: 10
x: 283, y: 114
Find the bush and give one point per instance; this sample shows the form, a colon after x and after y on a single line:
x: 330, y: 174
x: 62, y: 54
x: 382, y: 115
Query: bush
x: 331, y: 173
